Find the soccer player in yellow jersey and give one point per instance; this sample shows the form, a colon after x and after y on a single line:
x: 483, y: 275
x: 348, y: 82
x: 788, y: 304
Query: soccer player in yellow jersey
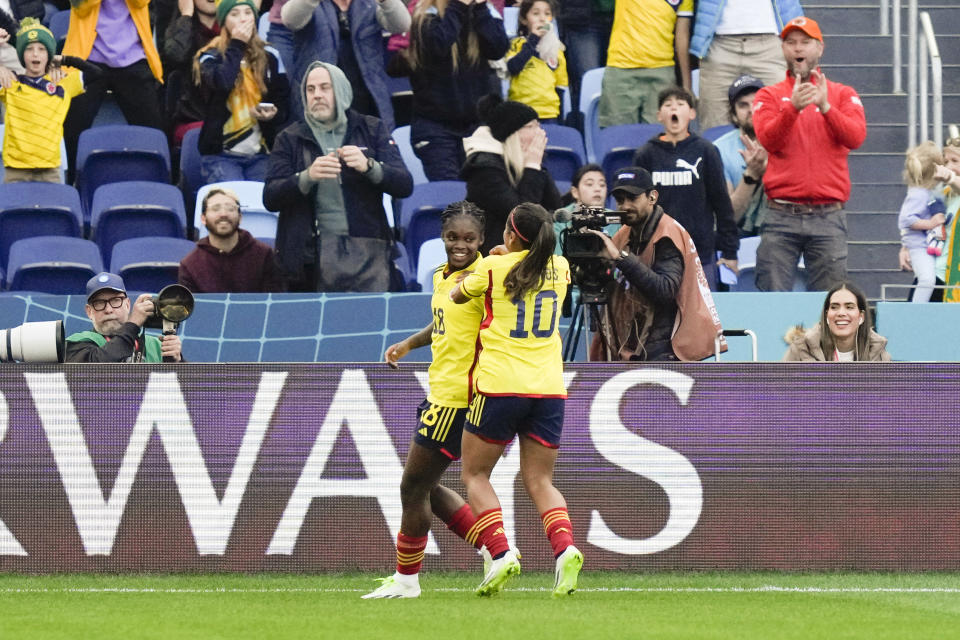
x: 37, y: 102
x: 452, y: 336
x: 520, y: 390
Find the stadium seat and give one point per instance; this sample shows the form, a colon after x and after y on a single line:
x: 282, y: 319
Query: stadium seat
x: 565, y: 152
x: 511, y: 20
x: 401, y: 135
x: 149, y: 263
x: 616, y: 145
x: 123, y: 210
x: 52, y: 264
x: 29, y: 209
x: 563, y: 186
x: 420, y: 212
x: 255, y: 219
x: 424, y: 226
x: 59, y: 25
x: 590, y: 86
x: 432, y: 255
x: 747, y: 266
x: 120, y: 153
x: 402, y: 262
x: 191, y: 179
x: 713, y: 133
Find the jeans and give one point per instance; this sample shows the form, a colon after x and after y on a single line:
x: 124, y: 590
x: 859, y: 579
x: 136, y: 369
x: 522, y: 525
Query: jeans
x: 439, y: 147
x: 586, y: 49
x: 821, y: 238
x: 281, y: 39
x: 226, y: 167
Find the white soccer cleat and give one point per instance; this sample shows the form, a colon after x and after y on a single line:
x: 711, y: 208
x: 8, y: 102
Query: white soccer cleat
x: 488, y: 559
x: 567, y: 571
x: 500, y: 571
x: 396, y: 586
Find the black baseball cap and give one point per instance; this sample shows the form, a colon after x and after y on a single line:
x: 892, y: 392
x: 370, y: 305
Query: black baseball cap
x: 633, y: 180
x: 743, y: 84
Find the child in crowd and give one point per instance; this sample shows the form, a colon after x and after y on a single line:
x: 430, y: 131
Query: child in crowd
x: 36, y: 104
x: 536, y: 62
x: 922, y: 215
x: 588, y: 189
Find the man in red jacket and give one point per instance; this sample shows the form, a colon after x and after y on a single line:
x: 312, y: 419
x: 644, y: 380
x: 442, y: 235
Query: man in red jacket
x: 229, y: 259
x: 808, y: 125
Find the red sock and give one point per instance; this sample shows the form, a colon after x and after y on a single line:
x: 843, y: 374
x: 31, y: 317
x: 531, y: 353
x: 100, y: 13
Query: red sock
x: 461, y: 522
x: 559, y: 530
x: 410, y: 554
x: 489, y: 530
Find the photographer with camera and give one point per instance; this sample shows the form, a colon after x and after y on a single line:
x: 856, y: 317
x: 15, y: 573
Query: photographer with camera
x: 117, y: 334
x: 660, y: 307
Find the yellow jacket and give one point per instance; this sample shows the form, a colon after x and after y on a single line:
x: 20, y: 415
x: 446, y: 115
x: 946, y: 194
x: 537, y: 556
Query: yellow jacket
x: 83, y: 31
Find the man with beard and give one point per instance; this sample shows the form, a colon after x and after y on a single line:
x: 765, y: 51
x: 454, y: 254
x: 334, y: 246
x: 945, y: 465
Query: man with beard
x: 744, y: 160
x: 229, y: 259
x: 117, y: 334
x: 661, y: 308
x: 808, y: 125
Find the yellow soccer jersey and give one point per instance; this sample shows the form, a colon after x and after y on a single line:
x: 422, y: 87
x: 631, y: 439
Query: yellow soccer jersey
x: 642, y: 33
x: 454, y: 344
x: 536, y: 85
x: 35, y: 118
x: 521, y: 352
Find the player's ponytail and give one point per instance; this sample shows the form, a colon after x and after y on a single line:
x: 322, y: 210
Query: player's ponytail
x: 534, y: 227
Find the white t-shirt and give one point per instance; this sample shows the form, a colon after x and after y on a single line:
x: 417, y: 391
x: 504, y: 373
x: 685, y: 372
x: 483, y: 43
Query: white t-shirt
x: 747, y: 16
x: 844, y: 356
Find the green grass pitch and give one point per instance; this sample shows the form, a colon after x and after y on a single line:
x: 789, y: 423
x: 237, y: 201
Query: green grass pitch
x: 608, y: 605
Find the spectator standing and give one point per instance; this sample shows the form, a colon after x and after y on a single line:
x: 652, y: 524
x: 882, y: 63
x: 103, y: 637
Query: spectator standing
x: 948, y: 263
x: 736, y: 37
x: 12, y: 13
x: 452, y: 43
x: 923, y: 216
x: 327, y: 176
x: 245, y: 94
x: 229, y: 259
x: 640, y: 61
x: 585, y: 27
x: 348, y: 33
x: 504, y: 165
x: 744, y: 160
x: 535, y: 62
x: 808, y: 125
x: 688, y: 174
x: 194, y: 27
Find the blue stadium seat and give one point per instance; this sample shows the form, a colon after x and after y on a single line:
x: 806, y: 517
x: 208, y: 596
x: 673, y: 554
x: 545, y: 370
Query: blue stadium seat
x: 53, y: 264
x: 713, y: 133
x: 118, y: 153
x: 191, y: 179
x: 420, y: 212
x: 29, y: 209
x: 401, y: 135
x: 432, y: 255
x: 125, y: 210
x: 255, y: 219
x: 590, y: 86
x: 565, y: 152
x: 616, y: 145
x: 424, y: 226
x: 149, y: 263
x: 59, y: 25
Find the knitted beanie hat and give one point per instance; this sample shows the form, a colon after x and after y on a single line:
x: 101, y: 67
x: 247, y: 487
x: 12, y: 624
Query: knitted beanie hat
x: 225, y: 6
x: 504, y: 118
x: 32, y: 31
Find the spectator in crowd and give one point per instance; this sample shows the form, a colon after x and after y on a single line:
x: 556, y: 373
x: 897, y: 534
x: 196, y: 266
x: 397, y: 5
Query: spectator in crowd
x: 923, y: 217
x: 736, y: 37
x: 588, y: 189
x: 585, y: 26
x: 348, y: 33
x: 327, y: 176
x: 535, y: 62
x: 660, y: 277
x: 281, y: 39
x: 117, y: 37
x: 504, y: 164
x: 452, y: 43
x: 948, y: 263
x: 688, y: 174
x: 12, y: 13
x: 640, y: 61
x: 36, y: 104
x: 744, y: 160
x: 229, y: 259
x: 808, y: 125
x: 194, y: 27
x: 117, y: 334
x: 245, y: 94
x: 844, y: 333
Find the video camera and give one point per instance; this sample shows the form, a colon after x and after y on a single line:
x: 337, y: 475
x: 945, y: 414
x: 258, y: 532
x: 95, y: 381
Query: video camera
x: 589, y: 265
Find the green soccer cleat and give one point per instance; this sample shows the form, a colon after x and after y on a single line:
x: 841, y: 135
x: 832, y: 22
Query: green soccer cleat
x: 500, y: 571
x: 567, y: 571
x: 393, y: 587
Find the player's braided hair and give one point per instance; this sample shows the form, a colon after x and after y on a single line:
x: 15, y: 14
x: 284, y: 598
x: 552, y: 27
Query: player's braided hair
x: 534, y: 227
x: 462, y: 208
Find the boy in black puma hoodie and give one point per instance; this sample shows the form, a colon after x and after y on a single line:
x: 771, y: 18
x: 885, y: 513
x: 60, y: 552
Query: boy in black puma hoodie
x: 688, y: 173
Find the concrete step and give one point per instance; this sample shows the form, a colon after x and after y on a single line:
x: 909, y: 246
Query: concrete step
x: 870, y: 280
x: 892, y: 108
x: 867, y: 254
x: 878, y: 167
x: 874, y: 197
x: 878, y: 78
x: 885, y: 138
x: 865, y: 18
x: 877, y: 49
x: 869, y: 227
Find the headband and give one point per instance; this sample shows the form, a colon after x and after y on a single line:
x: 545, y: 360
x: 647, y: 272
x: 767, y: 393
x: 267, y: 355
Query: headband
x: 515, y: 230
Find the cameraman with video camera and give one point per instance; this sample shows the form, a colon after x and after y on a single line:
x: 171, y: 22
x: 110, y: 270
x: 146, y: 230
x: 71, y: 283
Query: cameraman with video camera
x: 660, y: 307
x: 117, y: 334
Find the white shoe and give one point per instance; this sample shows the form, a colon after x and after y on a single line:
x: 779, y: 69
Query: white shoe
x: 488, y: 559
x: 567, y: 571
x: 396, y: 586
x: 500, y: 571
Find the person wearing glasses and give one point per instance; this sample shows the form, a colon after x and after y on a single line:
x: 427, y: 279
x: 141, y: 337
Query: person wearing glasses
x: 229, y: 259
x: 117, y: 334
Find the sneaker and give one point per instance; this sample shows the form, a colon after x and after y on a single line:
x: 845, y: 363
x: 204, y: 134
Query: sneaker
x: 393, y: 587
x: 567, y: 571
x: 488, y: 559
x: 500, y: 571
